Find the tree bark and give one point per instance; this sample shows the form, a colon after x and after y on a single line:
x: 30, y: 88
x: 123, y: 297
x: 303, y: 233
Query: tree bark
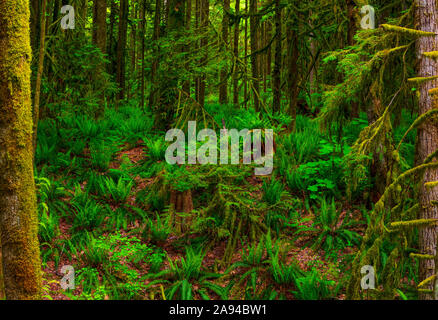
x: 223, y: 88
x: 121, y: 48
x: 205, y: 12
x: 112, y: 68
x: 99, y: 19
x: 36, y: 106
x: 236, y: 56
x: 245, y: 90
x: 276, y: 76
x: 186, y: 85
x: 154, y: 68
x: 427, y: 139
x: 143, y: 36
x: 254, y: 34
x: 18, y: 211
x: 292, y: 78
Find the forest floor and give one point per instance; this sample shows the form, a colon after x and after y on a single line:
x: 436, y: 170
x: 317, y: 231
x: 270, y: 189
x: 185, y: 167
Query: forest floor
x: 105, y: 206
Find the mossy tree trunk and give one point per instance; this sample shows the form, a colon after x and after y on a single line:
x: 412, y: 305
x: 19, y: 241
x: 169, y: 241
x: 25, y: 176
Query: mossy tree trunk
x: 427, y: 139
x: 18, y: 213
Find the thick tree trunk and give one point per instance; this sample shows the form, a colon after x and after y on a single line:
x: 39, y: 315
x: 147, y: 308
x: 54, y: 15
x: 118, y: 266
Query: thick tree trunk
x: 99, y: 19
x: 427, y: 139
x: 18, y: 212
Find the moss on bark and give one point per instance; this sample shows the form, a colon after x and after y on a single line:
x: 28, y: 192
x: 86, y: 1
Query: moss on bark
x: 18, y: 213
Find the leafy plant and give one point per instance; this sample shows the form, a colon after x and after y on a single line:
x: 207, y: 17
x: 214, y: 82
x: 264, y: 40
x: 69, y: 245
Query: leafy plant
x: 188, y: 277
x: 333, y: 230
x: 312, y: 287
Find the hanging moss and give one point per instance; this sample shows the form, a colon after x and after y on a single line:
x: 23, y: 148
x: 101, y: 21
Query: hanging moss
x: 413, y: 32
x: 431, y: 184
x: 431, y: 54
x: 421, y: 256
x: 420, y: 80
x: 413, y: 223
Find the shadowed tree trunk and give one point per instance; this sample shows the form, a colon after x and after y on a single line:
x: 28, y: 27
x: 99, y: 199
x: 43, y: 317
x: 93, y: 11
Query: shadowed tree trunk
x: 121, y: 48
x: 18, y: 211
x: 254, y: 33
x: 223, y: 88
x: 277, y: 63
x: 350, y: 40
x: 236, y: 56
x: 111, y: 39
x: 99, y: 31
x: 292, y: 66
x: 154, y: 69
x: 142, y: 49
x: 36, y: 105
x: 186, y: 85
x: 205, y: 11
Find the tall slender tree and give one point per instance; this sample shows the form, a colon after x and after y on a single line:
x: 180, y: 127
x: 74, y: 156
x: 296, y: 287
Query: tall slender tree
x: 426, y: 17
x: 39, y: 76
x: 236, y: 55
x: 142, y: 49
x: 254, y: 34
x: 205, y: 12
x: 156, y: 61
x: 18, y: 211
x: 121, y: 48
x: 292, y: 69
x: 223, y: 88
x: 276, y: 75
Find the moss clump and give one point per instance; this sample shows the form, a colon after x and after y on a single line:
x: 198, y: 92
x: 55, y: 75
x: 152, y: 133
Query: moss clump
x: 431, y: 54
x: 413, y: 32
x: 420, y: 80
